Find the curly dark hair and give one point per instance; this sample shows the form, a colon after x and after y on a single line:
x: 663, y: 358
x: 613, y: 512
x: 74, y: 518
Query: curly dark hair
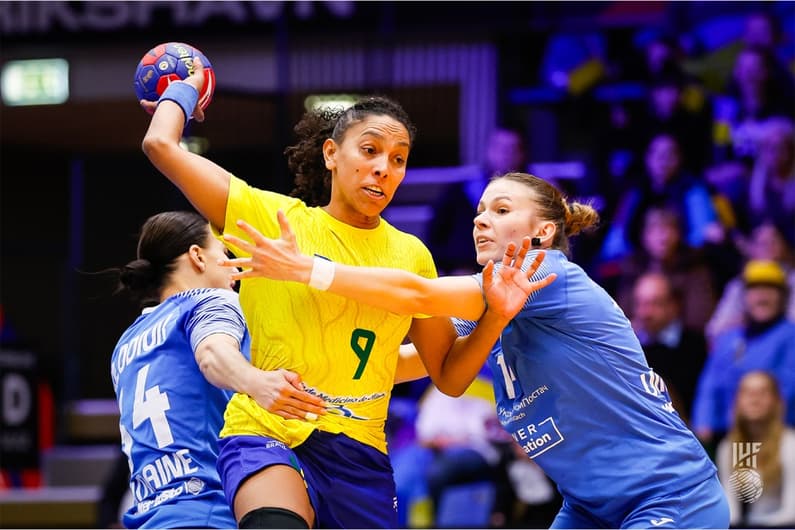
x: 305, y: 158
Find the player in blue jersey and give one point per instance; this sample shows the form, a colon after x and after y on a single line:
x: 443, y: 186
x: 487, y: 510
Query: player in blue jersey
x: 173, y: 370
x: 572, y: 385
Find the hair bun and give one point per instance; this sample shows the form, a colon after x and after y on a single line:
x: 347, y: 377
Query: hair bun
x: 137, y: 274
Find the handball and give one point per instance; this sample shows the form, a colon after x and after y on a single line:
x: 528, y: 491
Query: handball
x: 168, y: 62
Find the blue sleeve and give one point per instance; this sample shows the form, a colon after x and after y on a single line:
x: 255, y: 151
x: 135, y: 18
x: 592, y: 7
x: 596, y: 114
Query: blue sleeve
x: 217, y: 311
x: 552, y: 299
x: 463, y: 327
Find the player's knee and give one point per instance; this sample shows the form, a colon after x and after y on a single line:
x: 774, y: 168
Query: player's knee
x: 272, y: 518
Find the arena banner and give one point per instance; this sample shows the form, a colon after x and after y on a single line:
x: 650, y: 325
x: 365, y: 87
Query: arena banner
x: 31, y: 18
x: 18, y: 410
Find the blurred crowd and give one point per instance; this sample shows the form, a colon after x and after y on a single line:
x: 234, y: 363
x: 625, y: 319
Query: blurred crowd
x: 692, y: 169
x: 695, y: 183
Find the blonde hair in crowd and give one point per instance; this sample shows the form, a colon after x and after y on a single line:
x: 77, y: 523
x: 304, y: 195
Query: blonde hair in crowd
x: 768, y: 459
x: 570, y: 218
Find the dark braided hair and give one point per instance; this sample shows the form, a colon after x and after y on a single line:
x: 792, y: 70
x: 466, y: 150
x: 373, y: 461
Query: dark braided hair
x: 305, y: 158
x: 164, y: 237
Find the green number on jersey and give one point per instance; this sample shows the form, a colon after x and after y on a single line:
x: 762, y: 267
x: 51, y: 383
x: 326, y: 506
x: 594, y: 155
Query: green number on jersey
x: 362, y: 351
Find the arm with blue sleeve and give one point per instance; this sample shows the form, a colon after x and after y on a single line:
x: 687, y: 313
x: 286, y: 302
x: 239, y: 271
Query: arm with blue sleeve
x: 217, y: 332
x: 547, y: 302
x: 394, y: 290
x: 216, y: 329
x: 406, y: 293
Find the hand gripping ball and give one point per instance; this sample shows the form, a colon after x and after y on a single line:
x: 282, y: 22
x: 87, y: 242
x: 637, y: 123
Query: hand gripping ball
x: 167, y: 62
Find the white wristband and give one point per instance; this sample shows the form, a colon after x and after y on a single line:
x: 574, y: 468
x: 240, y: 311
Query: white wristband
x: 322, y: 274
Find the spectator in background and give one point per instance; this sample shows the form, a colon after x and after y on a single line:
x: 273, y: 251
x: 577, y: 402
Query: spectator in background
x: 677, y: 104
x: 766, y: 341
x: 673, y: 350
x: 666, y: 181
x: 751, y: 97
x: 771, y: 191
x: 763, y: 31
x: 661, y: 248
x: 764, y: 186
x: 766, y: 242
x: 538, y: 498
x: 625, y: 136
x: 671, y: 101
x: 450, y: 231
x: 661, y: 53
x: 759, y: 418
x: 459, y: 440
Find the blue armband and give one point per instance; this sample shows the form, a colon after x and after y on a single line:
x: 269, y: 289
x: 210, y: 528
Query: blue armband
x: 183, y: 95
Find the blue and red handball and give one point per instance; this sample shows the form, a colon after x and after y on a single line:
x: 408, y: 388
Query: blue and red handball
x: 168, y: 62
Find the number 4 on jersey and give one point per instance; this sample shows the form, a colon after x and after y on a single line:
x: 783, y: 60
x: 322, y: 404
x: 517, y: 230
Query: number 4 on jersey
x: 151, y: 405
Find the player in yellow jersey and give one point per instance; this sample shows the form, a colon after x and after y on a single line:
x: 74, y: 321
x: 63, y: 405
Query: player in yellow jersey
x: 328, y: 468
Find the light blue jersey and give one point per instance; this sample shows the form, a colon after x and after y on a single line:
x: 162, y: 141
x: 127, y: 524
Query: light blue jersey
x: 170, y: 414
x: 574, y: 390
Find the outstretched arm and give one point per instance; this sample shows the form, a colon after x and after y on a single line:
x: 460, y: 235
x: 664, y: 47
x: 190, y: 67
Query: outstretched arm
x: 394, y: 290
x: 279, y: 391
x: 453, y: 363
x: 204, y: 183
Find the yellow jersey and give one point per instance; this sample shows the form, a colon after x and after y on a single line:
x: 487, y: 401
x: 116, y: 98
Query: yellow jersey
x: 345, y: 352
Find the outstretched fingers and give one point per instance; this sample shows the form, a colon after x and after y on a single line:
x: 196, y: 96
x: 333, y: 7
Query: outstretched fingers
x: 242, y: 244
x: 273, y: 258
x: 533, y: 268
x: 488, y: 277
x: 543, y: 282
x: 523, y: 248
x: 286, y: 231
x: 515, y: 254
x: 255, y: 235
x: 245, y: 264
x: 508, y: 258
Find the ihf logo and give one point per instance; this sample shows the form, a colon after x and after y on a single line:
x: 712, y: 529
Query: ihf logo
x: 745, y: 481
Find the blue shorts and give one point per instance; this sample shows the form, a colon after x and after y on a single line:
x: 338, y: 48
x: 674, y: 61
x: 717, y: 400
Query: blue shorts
x: 701, y: 506
x: 349, y: 483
